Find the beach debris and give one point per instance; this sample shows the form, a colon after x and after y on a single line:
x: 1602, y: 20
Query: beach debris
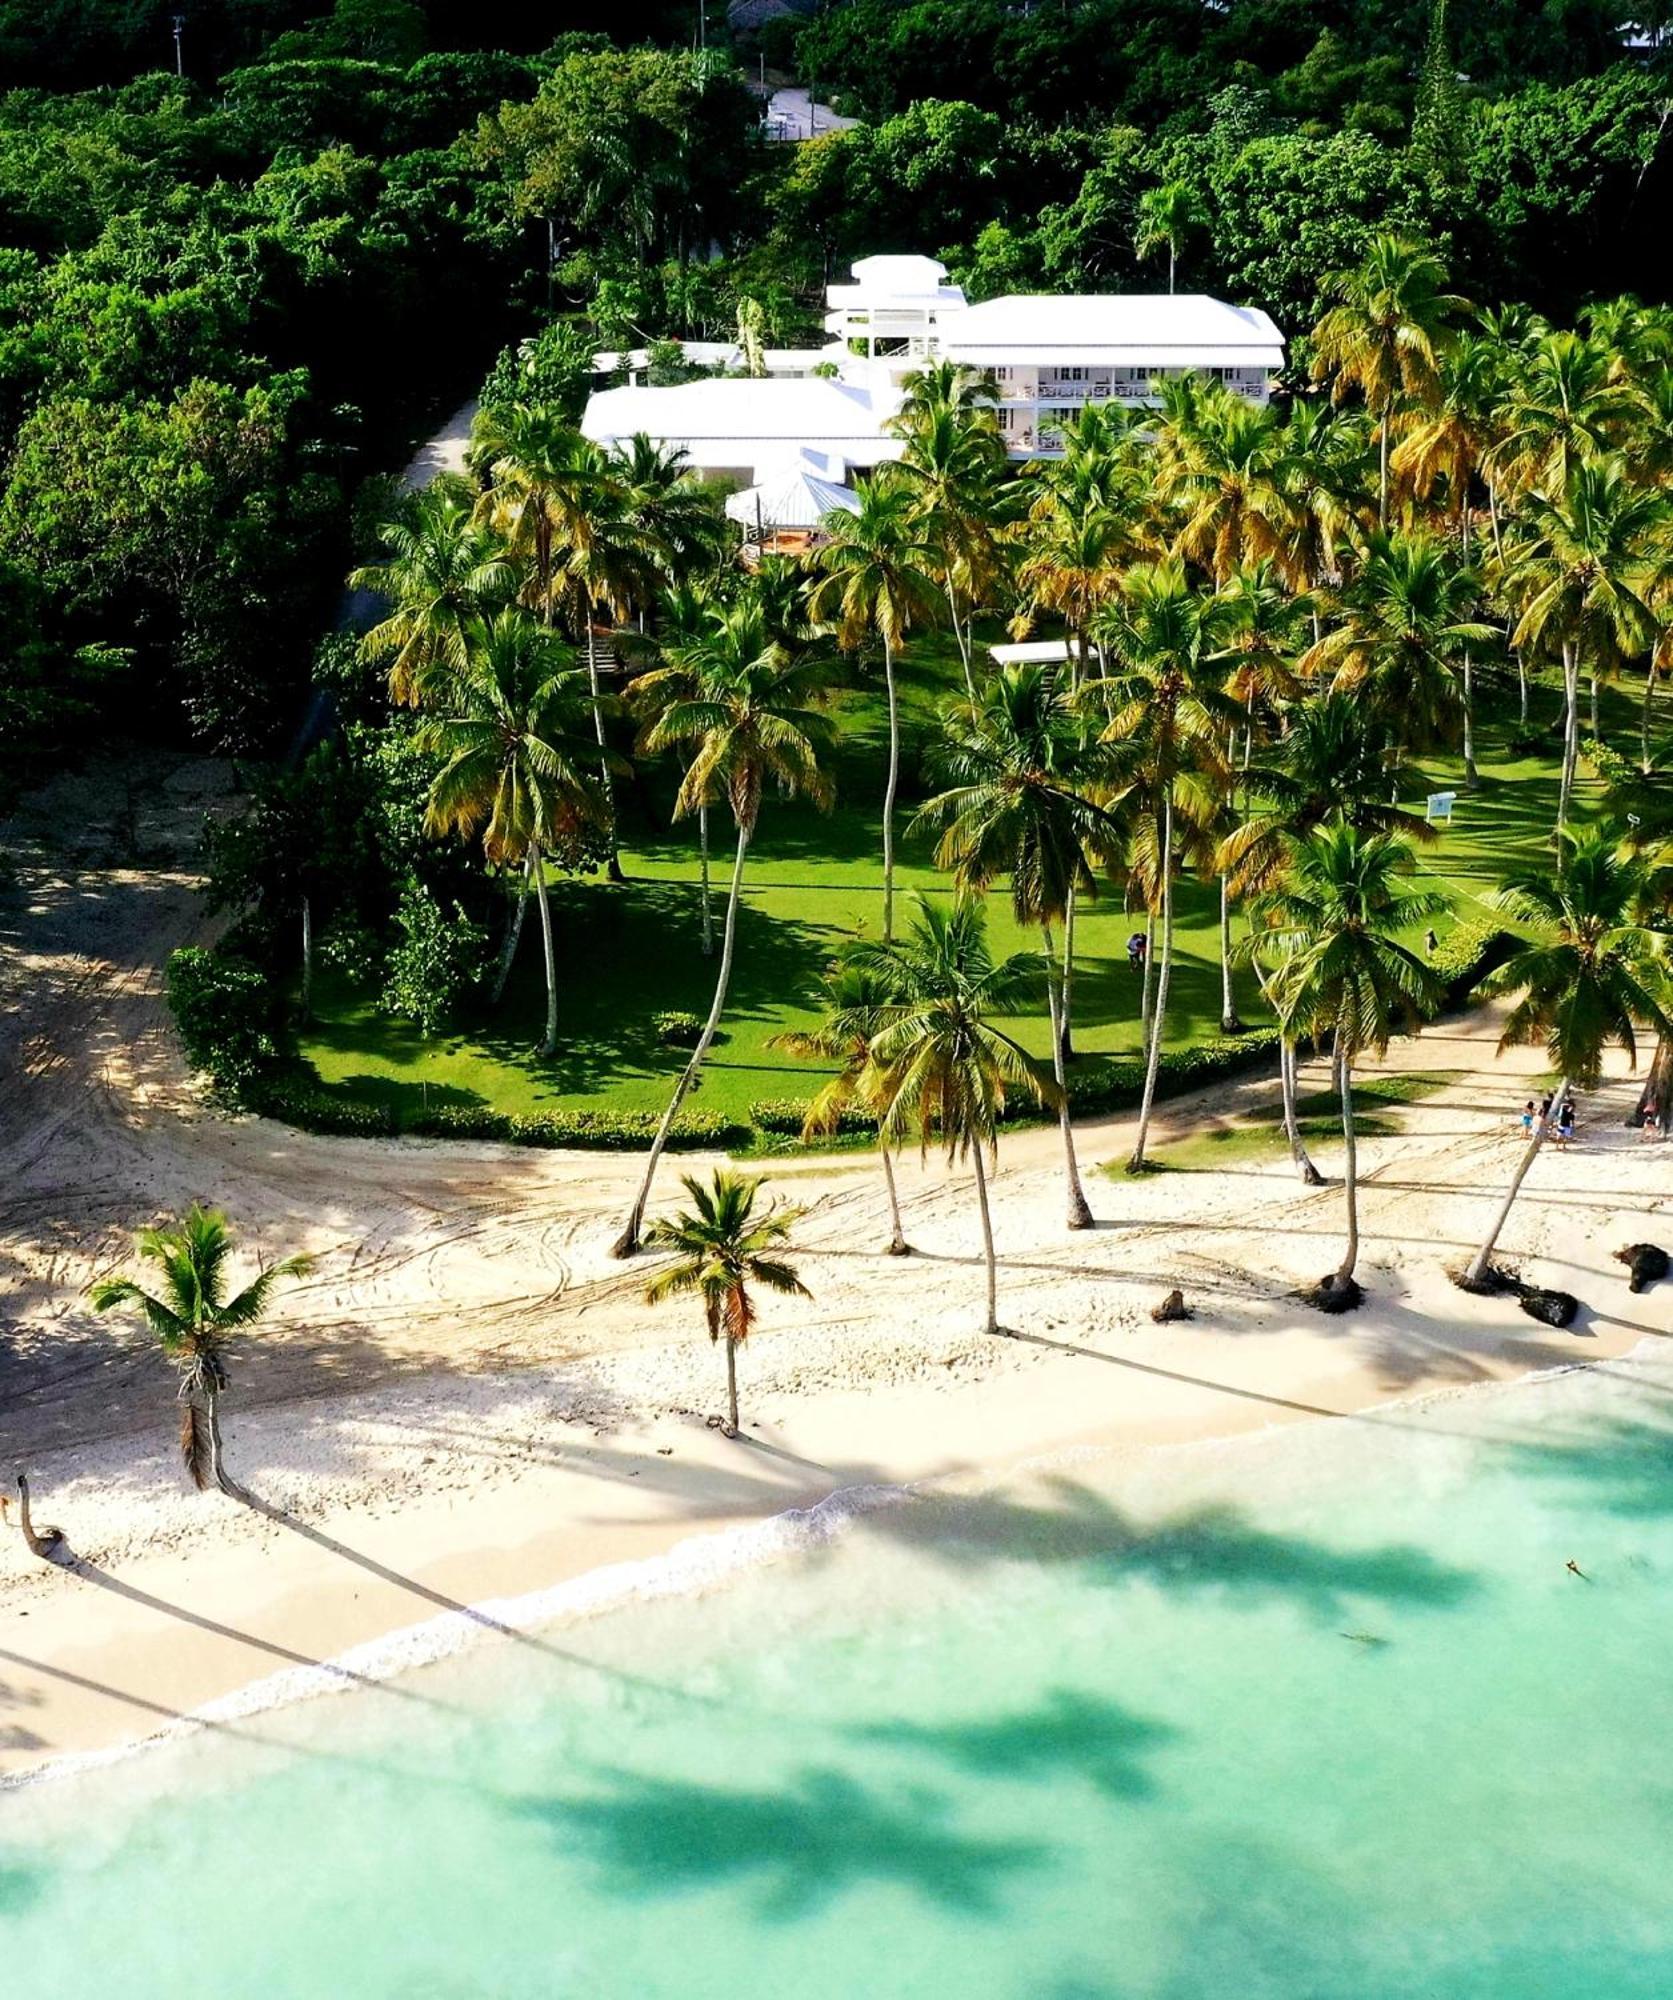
x: 1645, y: 1262
x: 1172, y: 1307
x: 1548, y: 1307
x: 1334, y: 1294
x: 1372, y: 1639
x: 47, y: 1543
x: 1496, y: 1280
x: 1574, y: 1569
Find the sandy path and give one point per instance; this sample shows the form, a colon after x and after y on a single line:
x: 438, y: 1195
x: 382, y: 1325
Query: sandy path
x: 470, y: 1383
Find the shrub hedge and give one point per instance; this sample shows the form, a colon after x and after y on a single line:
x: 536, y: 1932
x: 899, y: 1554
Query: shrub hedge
x: 677, y: 1031
x: 230, y: 1018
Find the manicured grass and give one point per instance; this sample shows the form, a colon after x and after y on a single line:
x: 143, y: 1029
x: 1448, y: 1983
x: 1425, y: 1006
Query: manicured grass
x: 1257, y: 1136
x: 626, y: 952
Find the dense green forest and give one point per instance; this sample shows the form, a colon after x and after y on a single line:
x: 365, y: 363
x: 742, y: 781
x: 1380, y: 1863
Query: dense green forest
x: 230, y: 299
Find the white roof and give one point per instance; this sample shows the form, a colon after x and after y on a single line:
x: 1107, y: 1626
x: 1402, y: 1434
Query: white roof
x: 741, y: 420
x: 915, y: 281
x: 910, y: 273
x: 1179, y: 331
x: 1030, y: 652
x: 795, y: 499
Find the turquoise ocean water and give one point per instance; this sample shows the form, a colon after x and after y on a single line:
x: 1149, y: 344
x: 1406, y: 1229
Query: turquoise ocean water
x: 1317, y: 1713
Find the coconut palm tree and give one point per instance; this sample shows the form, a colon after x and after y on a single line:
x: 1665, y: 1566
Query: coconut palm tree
x: 1171, y: 721
x: 443, y: 570
x: 1019, y: 804
x: 1588, y: 972
x: 721, y: 1247
x: 1578, y: 570
x: 195, y: 1322
x: 748, y: 721
x: 1331, y: 932
x: 1400, y: 644
x: 876, y: 574
x: 510, y: 727
x: 1562, y: 405
x: 1221, y: 467
x: 854, y: 1003
x: 1169, y: 216
x: 1385, y: 336
x: 939, y: 1066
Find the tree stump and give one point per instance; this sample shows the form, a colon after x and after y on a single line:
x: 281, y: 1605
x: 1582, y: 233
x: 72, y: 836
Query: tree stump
x: 1172, y: 1307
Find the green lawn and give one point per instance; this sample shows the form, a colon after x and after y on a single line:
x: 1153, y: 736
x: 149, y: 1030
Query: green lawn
x: 628, y: 952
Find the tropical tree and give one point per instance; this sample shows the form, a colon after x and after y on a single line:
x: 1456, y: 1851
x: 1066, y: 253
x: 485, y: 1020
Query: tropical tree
x: 721, y: 1247
x: 444, y: 570
x: 1221, y: 467
x: 1578, y: 570
x: 1384, y: 338
x: 1331, y: 933
x: 1169, y: 216
x: 744, y: 712
x: 939, y: 1066
x: 1588, y: 972
x: 1019, y: 804
x: 1171, y: 721
x: 854, y: 1003
x: 509, y: 727
x: 876, y: 574
x: 1074, y: 545
x: 1562, y: 405
x: 195, y: 1322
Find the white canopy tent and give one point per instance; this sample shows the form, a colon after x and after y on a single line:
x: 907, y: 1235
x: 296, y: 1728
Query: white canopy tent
x: 795, y: 498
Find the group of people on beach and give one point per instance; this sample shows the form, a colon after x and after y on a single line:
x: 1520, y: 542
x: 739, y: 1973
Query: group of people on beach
x: 1540, y: 1120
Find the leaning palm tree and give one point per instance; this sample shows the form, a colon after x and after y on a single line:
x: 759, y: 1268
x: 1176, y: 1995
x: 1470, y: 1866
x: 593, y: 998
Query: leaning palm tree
x: 854, y: 1003
x: 721, y: 1247
x: 1385, y: 336
x: 510, y: 726
x: 939, y: 1066
x: 1169, y: 216
x: 1588, y: 973
x: 747, y: 720
x: 443, y: 569
x: 1019, y: 803
x: 1332, y: 936
x: 876, y: 574
x: 1170, y: 722
x: 195, y: 1322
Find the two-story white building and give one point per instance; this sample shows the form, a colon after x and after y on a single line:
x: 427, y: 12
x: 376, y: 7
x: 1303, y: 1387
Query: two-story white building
x: 1049, y: 356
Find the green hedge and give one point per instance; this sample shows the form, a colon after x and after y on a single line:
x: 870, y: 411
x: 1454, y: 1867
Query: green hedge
x: 302, y: 1102
x: 785, y: 1117
x: 1468, y: 953
x: 230, y: 1019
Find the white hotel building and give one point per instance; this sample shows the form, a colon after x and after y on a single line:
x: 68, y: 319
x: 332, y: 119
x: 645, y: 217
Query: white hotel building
x: 1048, y: 356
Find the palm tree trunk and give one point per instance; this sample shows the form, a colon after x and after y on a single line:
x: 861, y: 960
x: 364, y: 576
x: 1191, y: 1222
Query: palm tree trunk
x: 1311, y: 1177
x: 217, y: 1455
x: 1658, y: 1085
x: 1153, y: 1056
x: 513, y: 932
x: 1066, y: 1041
x: 1229, y: 1023
x: 627, y: 1244
x: 1173, y: 255
x: 1080, y: 1215
x: 1571, y: 740
x: 1521, y: 688
x: 1644, y: 718
x: 1145, y: 988
x: 307, y: 958
x: 1382, y: 463
x: 615, y: 865
x: 708, y: 912
x: 987, y: 1239
x: 548, y: 1047
x: 963, y: 640
x: 1594, y: 702
x: 1350, y: 1173
x: 731, y: 1387
x: 1477, y: 1272
x: 889, y: 795
x: 1470, y: 773
x: 898, y: 1245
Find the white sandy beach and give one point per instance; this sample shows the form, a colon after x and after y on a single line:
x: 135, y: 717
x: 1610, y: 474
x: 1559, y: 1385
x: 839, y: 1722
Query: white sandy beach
x: 468, y: 1400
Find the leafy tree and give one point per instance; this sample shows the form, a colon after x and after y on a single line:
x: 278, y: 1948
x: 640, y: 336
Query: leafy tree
x: 1169, y: 216
x: 195, y: 1322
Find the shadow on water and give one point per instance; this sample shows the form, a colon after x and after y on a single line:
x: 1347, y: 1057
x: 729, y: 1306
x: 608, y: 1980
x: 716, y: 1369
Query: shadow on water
x: 1623, y: 1465
x: 799, y: 1844
x: 1070, y: 1735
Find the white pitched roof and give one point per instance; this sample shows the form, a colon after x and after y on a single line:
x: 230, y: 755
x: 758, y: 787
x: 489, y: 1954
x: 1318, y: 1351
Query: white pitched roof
x: 907, y: 274
x: 1182, y: 331
x: 795, y: 498
x: 741, y: 420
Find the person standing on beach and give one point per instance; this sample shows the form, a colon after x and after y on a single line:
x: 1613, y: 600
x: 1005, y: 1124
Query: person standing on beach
x: 1565, y: 1122
x: 1649, y: 1126
x: 1528, y: 1119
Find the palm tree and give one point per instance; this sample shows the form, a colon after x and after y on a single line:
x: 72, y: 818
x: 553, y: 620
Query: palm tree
x: 1588, y: 973
x: 939, y: 1066
x: 854, y: 1003
x: 748, y: 720
x: 1563, y: 406
x: 1405, y: 629
x: 1172, y: 719
x: 1579, y: 569
x: 195, y: 1321
x: 1332, y: 930
x: 443, y: 570
x: 1385, y: 337
x: 876, y: 574
x: 509, y: 728
x: 1018, y: 805
x: 722, y: 1247
x: 1221, y: 465
x: 1168, y: 217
